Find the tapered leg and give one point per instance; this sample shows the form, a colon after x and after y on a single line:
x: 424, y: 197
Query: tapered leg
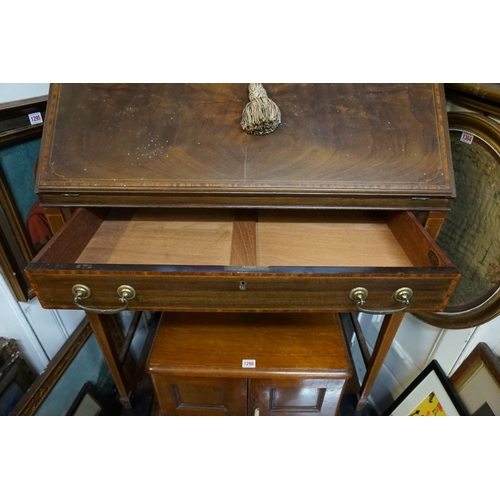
x: 110, y: 340
x: 385, y: 337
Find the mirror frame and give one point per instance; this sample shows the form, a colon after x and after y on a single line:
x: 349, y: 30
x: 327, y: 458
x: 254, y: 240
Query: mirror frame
x: 487, y: 307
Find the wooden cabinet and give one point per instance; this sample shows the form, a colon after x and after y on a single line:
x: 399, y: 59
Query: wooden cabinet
x: 175, y: 208
x: 249, y: 364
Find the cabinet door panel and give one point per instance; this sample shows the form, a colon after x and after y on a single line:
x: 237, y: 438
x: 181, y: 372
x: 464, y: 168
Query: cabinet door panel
x: 282, y: 397
x: 200, y: 396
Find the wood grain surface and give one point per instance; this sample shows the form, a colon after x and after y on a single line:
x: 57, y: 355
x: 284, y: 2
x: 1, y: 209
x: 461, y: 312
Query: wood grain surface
x: 357, y: 139
x: 214, y: 345
x: 254, y: 238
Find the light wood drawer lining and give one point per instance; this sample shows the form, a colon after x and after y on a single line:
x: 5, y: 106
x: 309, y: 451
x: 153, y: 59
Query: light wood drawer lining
x: 185, y: 237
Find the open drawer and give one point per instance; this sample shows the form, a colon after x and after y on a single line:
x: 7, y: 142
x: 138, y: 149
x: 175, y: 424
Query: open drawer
x: 105, y: 260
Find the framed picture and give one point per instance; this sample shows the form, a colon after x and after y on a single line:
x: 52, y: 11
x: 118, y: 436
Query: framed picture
x: 21, y: 124
x: 88, y: 403
x: 15, y: 376
x: 477, y: 381
x: 430, y: 395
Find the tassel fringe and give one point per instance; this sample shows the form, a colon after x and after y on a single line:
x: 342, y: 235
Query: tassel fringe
x: 261, y: 115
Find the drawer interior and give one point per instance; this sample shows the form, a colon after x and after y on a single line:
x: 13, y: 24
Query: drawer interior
x: 245, y: 238
x: 324, y: 239
x: 159, y: 237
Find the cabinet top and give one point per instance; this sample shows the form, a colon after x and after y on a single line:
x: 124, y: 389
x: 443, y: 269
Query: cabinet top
x: 182, y: 144
x: 290, y: 345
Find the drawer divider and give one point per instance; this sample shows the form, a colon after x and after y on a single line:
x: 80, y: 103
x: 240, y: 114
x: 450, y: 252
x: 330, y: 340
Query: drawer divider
x: 244, y: 242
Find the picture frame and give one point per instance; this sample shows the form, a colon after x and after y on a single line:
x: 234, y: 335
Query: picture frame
x: 88, y: 403
x: 430, y: 394
x: 15, y: 375
x: 482, y: 98
x: 16, y: 248
x: 80, y: 360
x: 47, y: 381
x: 477, y: 381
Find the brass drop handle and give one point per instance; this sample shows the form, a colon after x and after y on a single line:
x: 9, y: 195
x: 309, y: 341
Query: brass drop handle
x: 81, y: 292
x: 256, y: 412
x: 402, y: 295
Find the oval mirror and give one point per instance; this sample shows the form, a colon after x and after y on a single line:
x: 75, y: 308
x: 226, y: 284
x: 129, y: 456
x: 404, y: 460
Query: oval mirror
x: 470, y: 235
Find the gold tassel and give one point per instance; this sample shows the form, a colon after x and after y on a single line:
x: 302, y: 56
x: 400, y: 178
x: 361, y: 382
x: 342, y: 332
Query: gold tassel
x: 261, y: 115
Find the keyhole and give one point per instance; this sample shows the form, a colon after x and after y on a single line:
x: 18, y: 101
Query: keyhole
x: 243, y: 285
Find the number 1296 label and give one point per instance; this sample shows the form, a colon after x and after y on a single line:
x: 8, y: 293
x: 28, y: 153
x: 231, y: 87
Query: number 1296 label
x: 35, y: 118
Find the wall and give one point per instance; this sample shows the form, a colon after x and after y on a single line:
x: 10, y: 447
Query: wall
x: 17, y: 91
x: 39, y: 332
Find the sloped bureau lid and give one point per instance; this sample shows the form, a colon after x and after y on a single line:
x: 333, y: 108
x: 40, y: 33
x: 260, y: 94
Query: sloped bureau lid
x: 186, y: 139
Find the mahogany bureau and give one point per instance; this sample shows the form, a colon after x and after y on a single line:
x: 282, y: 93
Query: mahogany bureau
x: 160, y: 201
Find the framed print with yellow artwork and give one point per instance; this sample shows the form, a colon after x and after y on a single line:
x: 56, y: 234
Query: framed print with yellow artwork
x: 429, y: 395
